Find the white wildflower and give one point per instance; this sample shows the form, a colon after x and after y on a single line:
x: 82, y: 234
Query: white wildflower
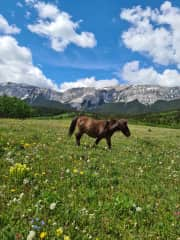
x: 46, y: 181
x: 31, y: 235
x: 138, y: 209
x: 134, y: 205
x: 25, y: 181
x: 14, y: 200
x: 52, y: 206
x: 21, y: 195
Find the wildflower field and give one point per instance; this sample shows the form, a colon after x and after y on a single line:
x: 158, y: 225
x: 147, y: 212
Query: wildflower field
x: 52, y: 189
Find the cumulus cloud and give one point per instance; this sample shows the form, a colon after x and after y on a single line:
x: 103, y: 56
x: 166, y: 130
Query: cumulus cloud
x: 16, y: 65
x: 89, y: 82
x: 58, y: 27
x: 5, y: 28
x: 133, y: 74
x: 154, y: 32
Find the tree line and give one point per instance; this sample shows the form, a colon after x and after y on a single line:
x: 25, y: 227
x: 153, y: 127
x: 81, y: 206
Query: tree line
x: 12, y: 107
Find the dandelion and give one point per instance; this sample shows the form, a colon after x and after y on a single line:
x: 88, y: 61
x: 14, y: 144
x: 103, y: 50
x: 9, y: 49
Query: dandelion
x: 26, y: 145
x: 81, y: 173
x: 31, y: 235
x: 43, y: 235
x: 59, y: 232
x: 75, y: 170
x: 13, y: 190
x: 66, y: 237
x: 52, y: 206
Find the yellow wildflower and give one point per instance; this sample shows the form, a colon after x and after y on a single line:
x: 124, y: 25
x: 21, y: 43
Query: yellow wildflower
x: 66, y: 237
x: 59, y: 232
x: 75, y: 170
x: 43, y: 235
x: 26, y: 145
x: 81, y: 172
x: 13, y: 190
x: 19, y: 169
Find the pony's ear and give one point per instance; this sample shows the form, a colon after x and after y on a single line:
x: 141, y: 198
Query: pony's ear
x: 109, y: 123
x: 113, y: 123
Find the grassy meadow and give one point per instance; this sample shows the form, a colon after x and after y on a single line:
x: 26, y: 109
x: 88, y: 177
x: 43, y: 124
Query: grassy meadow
x: 52, y: 189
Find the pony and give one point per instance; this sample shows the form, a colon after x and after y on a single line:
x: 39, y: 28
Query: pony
x: 98, y: 129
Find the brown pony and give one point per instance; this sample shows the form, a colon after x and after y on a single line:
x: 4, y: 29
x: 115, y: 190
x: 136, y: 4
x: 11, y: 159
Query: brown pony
x: 98, y: 129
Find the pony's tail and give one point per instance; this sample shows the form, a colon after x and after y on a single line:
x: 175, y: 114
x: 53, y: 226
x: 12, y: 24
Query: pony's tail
x: 72, y: 126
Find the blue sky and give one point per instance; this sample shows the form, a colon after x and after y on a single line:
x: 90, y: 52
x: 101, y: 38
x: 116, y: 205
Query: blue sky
x: 111, y: 55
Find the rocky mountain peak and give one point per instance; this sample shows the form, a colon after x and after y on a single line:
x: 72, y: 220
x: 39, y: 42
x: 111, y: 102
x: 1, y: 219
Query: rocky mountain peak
x: 88, y: 98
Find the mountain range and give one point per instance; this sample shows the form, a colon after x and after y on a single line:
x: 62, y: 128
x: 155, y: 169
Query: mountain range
x: 130, y: 99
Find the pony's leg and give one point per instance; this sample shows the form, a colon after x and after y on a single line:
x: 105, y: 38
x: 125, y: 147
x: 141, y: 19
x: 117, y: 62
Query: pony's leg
x: 108, y: 140
x: 78, y: 138
x: 97, y: 141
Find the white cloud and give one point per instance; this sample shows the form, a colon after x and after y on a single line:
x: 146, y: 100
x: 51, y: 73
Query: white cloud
x: 5, y: 28
x: 89, y: 82
x: 59, y: 28
x: 19, y: 4
x: 16, y: 65
x: 133, y: 74
x: 154, y: 32
x: 27, y: 15
x: 29, y: 2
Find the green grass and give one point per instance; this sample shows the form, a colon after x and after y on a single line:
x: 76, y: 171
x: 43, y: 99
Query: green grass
x: 130, y: 192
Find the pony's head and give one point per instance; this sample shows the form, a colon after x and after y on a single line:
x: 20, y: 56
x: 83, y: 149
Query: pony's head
x: 121, y: 125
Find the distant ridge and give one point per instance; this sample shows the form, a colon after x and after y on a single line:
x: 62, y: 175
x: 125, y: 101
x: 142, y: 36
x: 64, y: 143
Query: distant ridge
x: 126, y: 99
